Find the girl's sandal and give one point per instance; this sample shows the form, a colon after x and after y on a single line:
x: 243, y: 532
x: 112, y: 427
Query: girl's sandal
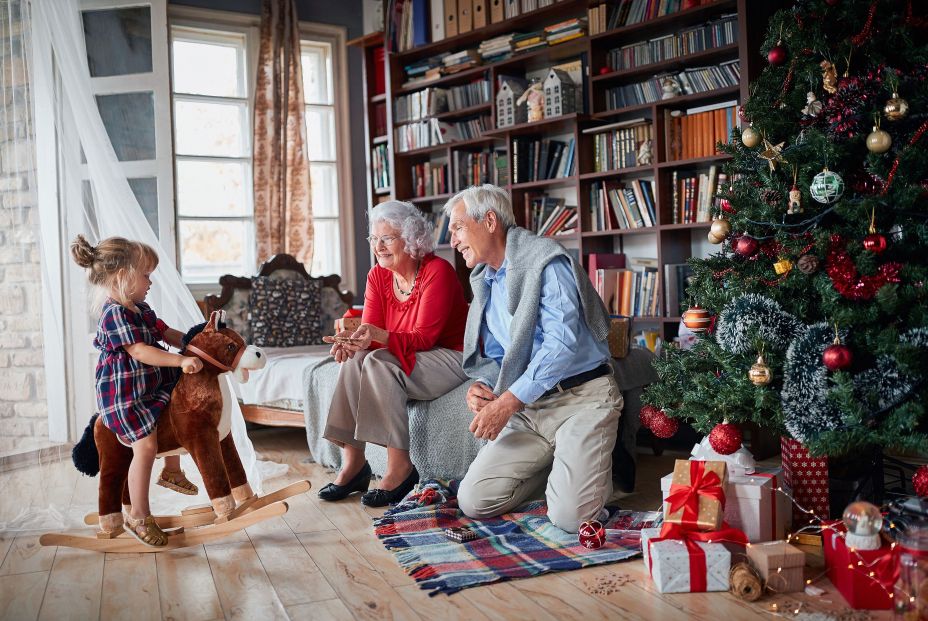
x: 177, y: 481
x: 147, y: 531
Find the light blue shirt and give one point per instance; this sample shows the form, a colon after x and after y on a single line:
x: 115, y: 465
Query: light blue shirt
x: 563, y: 345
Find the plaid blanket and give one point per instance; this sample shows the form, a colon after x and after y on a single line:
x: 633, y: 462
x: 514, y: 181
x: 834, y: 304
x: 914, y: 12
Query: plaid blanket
x: 515, y: 545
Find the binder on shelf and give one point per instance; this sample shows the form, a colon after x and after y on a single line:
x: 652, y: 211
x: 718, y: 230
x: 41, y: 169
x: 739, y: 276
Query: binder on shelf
x: 451, y: 18
x: 421, y: 26
x: 465, y: 16
x: 497, y: 11
x: 480, y: 13
x: 437, y: 16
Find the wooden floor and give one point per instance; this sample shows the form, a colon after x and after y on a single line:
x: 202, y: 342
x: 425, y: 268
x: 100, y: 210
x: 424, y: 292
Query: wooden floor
x: 321, y: 561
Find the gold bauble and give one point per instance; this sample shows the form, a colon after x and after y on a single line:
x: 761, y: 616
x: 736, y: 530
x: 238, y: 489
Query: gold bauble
x: 782, y: 266
x: 719, y: 230
x: 760, y: 374
x: 896, y: 108
x: 750, y: 137
x: 879, y: 141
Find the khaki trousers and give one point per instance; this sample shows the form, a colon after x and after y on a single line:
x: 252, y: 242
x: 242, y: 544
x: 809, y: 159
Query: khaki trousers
x: 573, y: 433
x: 370, y: 398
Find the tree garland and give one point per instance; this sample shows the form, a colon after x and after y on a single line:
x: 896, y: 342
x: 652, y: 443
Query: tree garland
x: 753, y: 317
x: 843, y: 273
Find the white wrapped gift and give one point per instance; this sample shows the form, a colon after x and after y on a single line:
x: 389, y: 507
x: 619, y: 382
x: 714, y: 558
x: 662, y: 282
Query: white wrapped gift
x: 669, y: 563
x: 753, y: 505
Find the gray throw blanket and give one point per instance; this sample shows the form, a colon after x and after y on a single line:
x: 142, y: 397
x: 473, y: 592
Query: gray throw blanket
x: 526, y: 255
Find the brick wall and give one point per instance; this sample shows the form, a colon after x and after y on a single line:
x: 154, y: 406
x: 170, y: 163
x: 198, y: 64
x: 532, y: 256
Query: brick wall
x: 23, y: 410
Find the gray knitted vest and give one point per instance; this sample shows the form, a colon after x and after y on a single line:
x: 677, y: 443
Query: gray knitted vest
x: 527, y: 256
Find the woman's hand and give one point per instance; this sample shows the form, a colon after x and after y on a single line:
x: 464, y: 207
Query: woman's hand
x: 189, y: 364
x: 366, y: 334
x: 339, y: 350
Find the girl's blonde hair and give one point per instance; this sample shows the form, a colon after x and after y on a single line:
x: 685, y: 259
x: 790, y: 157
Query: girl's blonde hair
x: 113, y: 263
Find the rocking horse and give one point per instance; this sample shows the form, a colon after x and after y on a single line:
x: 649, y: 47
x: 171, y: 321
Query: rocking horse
x: 198, y: 420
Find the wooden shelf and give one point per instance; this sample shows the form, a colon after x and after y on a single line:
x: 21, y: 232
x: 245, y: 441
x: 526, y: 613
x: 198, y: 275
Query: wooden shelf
x: 709, y: 159
x: 382, y: 191
x: 626, y: 34
x: 618, y: 172
x: 552, y: 125
x: 685, y: 226
x: 641, y: 230
x: 380, y: 140
x: 728, y: 52
x: 544, y: 183
x: 448, y: 145
x: 379, y: 98
x: 553, y: 14
x: 452, y: 114
x: 719, y: 93
x: 429, y: 199
x: 461, y: 76
x: 372, y: 39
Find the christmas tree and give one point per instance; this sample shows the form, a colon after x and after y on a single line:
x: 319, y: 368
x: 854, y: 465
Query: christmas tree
x: 816, y: 300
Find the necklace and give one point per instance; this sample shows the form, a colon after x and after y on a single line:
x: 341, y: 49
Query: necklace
x: 412, y: 288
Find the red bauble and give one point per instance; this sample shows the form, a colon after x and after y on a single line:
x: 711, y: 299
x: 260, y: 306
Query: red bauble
x: 777, y: 55
x: 725, y: 204
x: 746, y: 246
x: 646, y: 414
x: 743, y: 115
x: 725, y: 438
x: 837, y: 357
x: 592, y: 535
x: 920, y: 481
x: 832, y: 2
x: 664, y: 426
x: 875, y: 243
x: 604, y: 70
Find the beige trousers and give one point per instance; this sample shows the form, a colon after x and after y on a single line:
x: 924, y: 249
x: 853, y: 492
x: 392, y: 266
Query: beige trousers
x: 370, y: 398
x: 573, y: 433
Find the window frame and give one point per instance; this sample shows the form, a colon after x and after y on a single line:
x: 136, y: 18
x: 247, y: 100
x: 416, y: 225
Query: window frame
x: 336, y: 36
x: 220, y: 25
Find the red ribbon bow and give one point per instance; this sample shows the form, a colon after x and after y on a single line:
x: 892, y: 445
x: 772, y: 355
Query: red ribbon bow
x: 698, y: 568
x: 702, y: 483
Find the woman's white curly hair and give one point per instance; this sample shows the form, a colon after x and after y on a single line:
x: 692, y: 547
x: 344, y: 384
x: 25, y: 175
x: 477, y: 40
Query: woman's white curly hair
x: 412, y: 225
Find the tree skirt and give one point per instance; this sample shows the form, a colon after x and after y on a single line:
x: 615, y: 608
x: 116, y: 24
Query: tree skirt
x: 515, y: 545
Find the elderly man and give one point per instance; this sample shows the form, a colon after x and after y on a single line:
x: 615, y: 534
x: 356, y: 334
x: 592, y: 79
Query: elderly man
x: 545, y: 396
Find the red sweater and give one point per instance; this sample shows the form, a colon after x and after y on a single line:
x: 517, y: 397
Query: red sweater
x: 433, y: 316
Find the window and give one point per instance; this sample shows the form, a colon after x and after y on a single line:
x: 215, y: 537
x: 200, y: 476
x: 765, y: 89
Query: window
x: 322, y: 144
x: 212, y: 152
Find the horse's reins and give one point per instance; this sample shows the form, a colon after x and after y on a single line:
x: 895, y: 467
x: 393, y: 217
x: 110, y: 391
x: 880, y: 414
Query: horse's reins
x: 202, y: 355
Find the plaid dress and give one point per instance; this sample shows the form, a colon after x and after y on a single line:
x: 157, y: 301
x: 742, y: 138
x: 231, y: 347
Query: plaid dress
x: 130, y: 394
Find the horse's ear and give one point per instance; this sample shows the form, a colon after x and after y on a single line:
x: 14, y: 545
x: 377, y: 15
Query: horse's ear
x: 213, y: 324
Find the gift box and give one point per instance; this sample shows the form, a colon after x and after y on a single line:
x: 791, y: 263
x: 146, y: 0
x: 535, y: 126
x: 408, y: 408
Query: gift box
x: 864, y: 577
x: 619, y: 333
x: 686, y: 566
x: 807, y: 477
x: 350, y: 321
x: 752, y: 504
x: 780, y: 565
x: 695, y: 494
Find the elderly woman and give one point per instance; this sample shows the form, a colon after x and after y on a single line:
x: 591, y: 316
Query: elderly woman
x: 407, y: 347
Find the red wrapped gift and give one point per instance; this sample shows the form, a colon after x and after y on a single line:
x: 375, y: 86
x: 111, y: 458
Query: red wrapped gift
x: 807, y: 477
x: 349, y: 321
x: 697, y: 494
x: 864, y: 577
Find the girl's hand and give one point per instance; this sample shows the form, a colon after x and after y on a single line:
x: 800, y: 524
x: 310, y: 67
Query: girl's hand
x: 338, y: 350
x: 189, y: 364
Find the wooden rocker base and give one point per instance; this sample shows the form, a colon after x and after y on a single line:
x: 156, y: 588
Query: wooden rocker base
x: 203, y: 515
x: 181, y: 539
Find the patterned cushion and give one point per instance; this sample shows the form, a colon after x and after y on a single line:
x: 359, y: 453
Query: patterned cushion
x: 285, y: 313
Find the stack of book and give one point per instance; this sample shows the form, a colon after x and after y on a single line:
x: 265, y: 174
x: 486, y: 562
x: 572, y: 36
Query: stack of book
x: 614, y: 205
x: 565, y: 31
x: 694, y: 195
x: 459, y: 61
x: 439, y: 227
x: 616, y: 145
x: 380, y: 167
x: 429, y: 179
x: 610, y: 15
x: 550, y: 217
x: 496, y: 48
x: 423, y: 71
x: 629, y: 292
x: 467, y: 95
x: 534, y: 159
x: 420, y: 105
x: 473, y: 168
x: 719, y: 33
x: 433, y: 132
x: 528, y: 41
x: 691, y: 81
x: 696, y: 132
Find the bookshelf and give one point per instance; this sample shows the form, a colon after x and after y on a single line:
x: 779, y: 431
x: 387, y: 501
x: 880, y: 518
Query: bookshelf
x: 667, y: 235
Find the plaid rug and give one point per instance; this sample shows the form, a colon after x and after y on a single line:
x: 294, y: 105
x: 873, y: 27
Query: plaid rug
x: 515, y: 545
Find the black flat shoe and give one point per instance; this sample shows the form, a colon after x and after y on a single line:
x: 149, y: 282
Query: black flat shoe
x: 384, y: 497
x: 358, y: 483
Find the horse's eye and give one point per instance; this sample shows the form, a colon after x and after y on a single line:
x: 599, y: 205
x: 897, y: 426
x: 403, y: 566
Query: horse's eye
x: 231, y: 346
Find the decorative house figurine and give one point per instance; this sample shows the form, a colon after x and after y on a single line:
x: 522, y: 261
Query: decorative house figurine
x: 670, y: 87
x: 508, y: 112
x: 534, y: 100
x: 560, y: 93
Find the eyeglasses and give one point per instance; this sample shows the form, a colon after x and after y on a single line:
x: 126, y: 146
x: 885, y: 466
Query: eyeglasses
x: 386, y: 239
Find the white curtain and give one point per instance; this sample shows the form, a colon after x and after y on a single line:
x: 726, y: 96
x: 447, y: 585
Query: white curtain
x: 63, y: 87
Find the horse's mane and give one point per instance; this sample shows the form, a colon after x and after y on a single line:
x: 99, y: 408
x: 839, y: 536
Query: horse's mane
x: 192, y: 332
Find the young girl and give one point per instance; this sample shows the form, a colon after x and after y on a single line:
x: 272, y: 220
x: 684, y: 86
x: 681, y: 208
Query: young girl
x: 135, y: 375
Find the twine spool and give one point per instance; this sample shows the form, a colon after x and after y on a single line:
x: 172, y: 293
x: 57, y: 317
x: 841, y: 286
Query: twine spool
x: 745, y: 582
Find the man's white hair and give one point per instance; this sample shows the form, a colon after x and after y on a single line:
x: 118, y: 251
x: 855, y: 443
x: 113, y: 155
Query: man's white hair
x: 481, y: 199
